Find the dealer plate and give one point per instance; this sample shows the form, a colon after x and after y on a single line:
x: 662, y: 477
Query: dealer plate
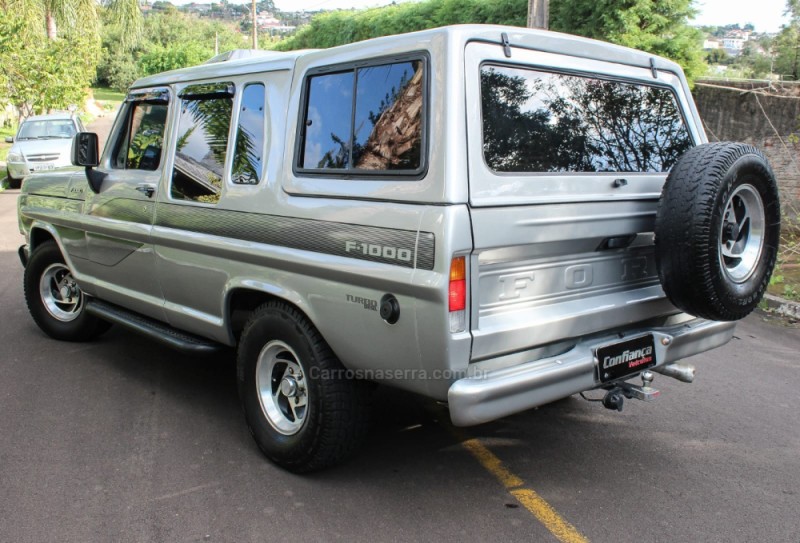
x: 617, y: 360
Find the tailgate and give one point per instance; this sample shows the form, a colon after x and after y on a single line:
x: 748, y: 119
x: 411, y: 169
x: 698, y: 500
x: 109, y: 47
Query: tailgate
x: 567, y: 158
x: 558, y: 272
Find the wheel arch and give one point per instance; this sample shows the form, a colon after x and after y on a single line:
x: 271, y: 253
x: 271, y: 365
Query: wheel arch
x: 244, y: 296
x: 42, y: 232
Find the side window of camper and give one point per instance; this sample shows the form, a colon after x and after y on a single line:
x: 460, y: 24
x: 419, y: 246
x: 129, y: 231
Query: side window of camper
x: 249, y: 146
x: 365, y: 120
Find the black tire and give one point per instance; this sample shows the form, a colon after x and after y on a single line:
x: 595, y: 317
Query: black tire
x: 277, y: 341
x: 58, y: 316
x: 13, y: 182
x: 717, y: 230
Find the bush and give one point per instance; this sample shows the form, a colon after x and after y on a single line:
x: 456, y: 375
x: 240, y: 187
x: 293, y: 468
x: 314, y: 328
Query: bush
x: 341, y: 27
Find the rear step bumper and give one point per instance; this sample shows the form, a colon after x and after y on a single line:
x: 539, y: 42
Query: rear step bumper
x: 496, y: 394
x: 156, y: 330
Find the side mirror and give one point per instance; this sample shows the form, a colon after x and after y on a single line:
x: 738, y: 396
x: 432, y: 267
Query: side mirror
x: 9, y: 139
x: 85, y: 150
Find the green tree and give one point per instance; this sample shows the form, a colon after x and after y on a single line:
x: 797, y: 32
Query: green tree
x: 265, y: 5
x: 39, y: 74
x: 56, y: 48
x: 718, y: 56
x: 787, y: 43
x: 48, y: 17
x: 177, y: 55
x: 170, y: 40
x: 125, y: 17
x: 340, y: 27
x: 754, y: 61
x: 58, y: 17
x: 656, y: 26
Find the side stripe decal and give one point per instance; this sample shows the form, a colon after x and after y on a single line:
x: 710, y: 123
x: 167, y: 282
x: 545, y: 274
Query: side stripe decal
x: 385, y: 245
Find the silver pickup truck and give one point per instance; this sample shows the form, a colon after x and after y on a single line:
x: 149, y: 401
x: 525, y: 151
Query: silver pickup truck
x: 489, y: 216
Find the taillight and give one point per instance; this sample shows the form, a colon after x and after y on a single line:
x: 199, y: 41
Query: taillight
x: 457, y: 294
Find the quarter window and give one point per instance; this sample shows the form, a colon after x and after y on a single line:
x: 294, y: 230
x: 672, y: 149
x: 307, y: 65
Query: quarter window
x: 142, y: 140
x: 249, y: 147
x: 368, y: 119
x: 535, y: 121
x: 328, y: 122
x: 203, y: 126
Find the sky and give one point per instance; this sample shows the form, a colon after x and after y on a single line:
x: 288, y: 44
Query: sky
x: 766, y: 15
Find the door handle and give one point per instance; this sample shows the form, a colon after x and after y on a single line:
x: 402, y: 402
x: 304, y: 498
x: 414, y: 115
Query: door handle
x: 146, y: 189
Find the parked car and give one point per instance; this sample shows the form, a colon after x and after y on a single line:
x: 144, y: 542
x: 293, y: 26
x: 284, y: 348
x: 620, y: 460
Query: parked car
x: 493, y: 217
x: 42, y: 143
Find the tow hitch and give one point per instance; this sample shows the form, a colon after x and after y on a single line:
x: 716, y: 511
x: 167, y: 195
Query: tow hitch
x: 617, y: 392
x: 615, y: 397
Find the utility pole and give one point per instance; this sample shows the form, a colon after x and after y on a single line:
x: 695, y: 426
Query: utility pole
x: 538, y: 13
x: 255, y: 27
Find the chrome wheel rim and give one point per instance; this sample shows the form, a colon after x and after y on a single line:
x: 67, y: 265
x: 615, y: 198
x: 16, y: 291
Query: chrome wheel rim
x: 61, y: 296
x: 282, y: 387
x: 741, y: 239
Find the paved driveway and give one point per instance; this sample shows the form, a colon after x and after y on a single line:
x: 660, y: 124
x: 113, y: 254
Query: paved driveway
x: 124, y: 440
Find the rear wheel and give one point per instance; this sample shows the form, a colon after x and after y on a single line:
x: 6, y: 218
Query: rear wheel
x: 717, y: 230
x: 303, y: 409
x: 55, y: 300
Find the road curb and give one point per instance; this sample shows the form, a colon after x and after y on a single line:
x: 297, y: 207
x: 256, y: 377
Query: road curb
x: 782, y: 306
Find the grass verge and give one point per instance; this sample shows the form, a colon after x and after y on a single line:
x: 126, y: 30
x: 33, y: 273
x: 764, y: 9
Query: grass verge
x: 5, y: 131
x: 104, y: 94
x: 785, y: 281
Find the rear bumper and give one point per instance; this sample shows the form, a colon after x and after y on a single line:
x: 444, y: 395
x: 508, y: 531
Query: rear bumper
x: 496, y: 394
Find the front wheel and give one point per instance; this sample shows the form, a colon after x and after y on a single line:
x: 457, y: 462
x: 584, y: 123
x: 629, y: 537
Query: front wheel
x: 303, y: 409
x: 12, y: 182
x: 55, y: 301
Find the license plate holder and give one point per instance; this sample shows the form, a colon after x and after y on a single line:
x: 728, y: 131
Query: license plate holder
x: 616, y: 360
x: 43, y: 167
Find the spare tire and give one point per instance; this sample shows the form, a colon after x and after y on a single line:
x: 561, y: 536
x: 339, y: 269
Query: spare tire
x: 717, y: 230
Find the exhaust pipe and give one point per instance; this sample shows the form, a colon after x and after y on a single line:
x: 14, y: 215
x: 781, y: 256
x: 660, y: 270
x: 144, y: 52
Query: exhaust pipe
x: 681, y: 372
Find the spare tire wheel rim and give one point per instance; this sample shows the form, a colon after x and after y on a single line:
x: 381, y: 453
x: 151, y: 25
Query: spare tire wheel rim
x: 281, y: 386
x: 741, y: 238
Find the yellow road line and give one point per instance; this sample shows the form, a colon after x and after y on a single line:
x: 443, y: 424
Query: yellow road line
x: 530, y: 500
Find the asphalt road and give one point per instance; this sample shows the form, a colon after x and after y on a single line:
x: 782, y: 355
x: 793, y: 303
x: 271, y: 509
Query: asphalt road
x: 124, y: 440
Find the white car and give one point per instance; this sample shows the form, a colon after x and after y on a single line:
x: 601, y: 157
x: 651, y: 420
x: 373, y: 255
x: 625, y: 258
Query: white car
x: 43, y: 142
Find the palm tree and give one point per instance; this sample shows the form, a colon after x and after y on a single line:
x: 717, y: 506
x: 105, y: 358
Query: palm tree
x: 79, y: 16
